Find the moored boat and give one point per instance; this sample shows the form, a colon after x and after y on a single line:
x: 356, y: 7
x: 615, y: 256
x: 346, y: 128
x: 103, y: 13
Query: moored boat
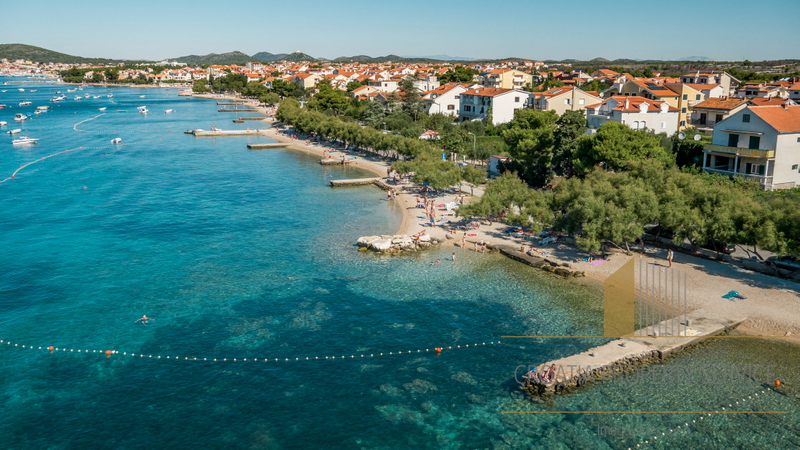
x: 101, y: 109
x: 2, y: 123
x: 169, y: 111
x: 24, y: 103
x: 116, y: 141
x: 14, y: 131
x: 24, y: 140
x: 20, y: 117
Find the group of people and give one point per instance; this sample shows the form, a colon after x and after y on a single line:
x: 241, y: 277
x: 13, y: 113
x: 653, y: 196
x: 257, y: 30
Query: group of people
x: 391, y: 194
x: 541, y: 376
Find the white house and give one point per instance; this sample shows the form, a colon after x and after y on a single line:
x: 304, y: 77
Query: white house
x: 476, y: 104
x: 562, y: 99
x: 761, y: 143
x: 636, y: 112
x: 445, y: 99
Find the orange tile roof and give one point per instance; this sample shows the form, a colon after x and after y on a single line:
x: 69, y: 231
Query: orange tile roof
x: 785, y: 119
x: 487, y: 92
x: 725, y: 103
x: 757, y: 101
x: 633, y: 103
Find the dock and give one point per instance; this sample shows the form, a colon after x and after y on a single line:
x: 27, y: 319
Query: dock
x: 229, y: 133
x: 267, y: 146
x: 362, y: 182
x: 252, y: 118
x: 618, y: 357
x: 237, y: 110
x: 231, y: 102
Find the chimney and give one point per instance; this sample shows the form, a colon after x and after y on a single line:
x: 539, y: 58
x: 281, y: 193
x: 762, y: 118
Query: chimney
x: 627, y: 103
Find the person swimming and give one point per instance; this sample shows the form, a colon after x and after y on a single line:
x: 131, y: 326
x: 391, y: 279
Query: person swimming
x: 144, y: 319
x: 438, y: 261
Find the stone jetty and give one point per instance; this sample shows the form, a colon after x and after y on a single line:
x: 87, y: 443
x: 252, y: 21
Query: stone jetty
x: 267, y: 146
x: 380, y: 182
x: 540, y: 262
x: 622, y: 356
x: 228, y: 132
x: 396, y: 244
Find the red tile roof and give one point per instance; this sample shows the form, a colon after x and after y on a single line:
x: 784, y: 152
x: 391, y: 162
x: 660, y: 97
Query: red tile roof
x: 487, y: 92
x: 785, y: 119
x: 724, y: 103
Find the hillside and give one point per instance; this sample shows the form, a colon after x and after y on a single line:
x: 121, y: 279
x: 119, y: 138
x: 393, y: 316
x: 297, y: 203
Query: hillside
x: 234, y: 57
x: 298, y: 56
x: 268, y: 57
x: 13, y: 52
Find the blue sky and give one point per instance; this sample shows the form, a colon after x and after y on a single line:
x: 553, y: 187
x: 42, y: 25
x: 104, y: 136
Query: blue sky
x: 535, y: 29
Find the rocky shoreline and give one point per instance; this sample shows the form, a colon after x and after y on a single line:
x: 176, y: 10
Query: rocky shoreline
x: 400, y: 243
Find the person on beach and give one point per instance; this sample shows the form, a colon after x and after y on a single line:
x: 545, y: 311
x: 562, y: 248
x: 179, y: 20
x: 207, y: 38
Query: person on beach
x: 475, y: 246
x: 453, y: 258
x: 464, y: 240
x: 670, y: 255
x: 483, y: 248
x: 144, y: 319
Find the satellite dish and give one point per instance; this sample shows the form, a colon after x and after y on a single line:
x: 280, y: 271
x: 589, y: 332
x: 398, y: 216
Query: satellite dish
x: 697, y: 137
x: 681, y: 136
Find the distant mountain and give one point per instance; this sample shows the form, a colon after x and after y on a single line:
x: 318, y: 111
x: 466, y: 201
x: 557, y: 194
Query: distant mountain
x: 695, y: 58
x: 440, y: 57
x: 13, y: 52
x: 269, y: 57
x: 298, y: 56
x: 357, y: 58
x: 215, y: 58
x: 599, y: 60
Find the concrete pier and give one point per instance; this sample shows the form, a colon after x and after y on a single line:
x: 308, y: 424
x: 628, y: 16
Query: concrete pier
x: 252, y: 118
x: 362, y: 182
x: 231, y: 102
x: 267, y: 146
x: 230, y: 132
x: 237, y: 110
x: 621, y: 355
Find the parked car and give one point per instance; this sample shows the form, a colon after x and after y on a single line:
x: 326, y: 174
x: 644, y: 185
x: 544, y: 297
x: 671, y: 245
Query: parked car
x: 652, y: 232
x: 788, y: 262
x: 718, y: 246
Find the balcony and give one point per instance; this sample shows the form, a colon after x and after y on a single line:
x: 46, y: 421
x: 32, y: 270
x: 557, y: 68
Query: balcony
x: 763, y: 180
x: 764, y: 154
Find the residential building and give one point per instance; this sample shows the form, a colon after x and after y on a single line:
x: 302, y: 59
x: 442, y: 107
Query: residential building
x: 714, y: 110
x: 476, y: 104
x: 561, y: 99
x: 728, y: 82
x: 445, y: 99
x: 636, y: 112
x: 794, y: 91
x: 763, y: 90
x: 305, y: 80
x: 760, y: 143
x: 690, y: 95
x: 506, y: 79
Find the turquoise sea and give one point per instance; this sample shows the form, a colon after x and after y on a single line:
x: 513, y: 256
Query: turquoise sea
x: 241, y: 254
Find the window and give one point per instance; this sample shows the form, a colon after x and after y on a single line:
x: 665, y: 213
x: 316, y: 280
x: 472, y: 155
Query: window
x: 516, y: 99
x: 458, y: 97
x: 663, y: 124
x: 757, y: 169
x: 733, y: 140
x: 644, y: 125
x: 581, y: 101
x: 686, y: 96
x: 683, y: 110
x: 755, y: 141
x: 636, y: 125
x: 566, y: 101
x: 451, y: 107
x: 794, y: 167
x: 467, y: 108
x: 683, y: 123
x: 697, y: 97
x: 745, y: 117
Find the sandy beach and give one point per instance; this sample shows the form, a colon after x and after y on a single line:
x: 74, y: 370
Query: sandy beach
x: 772, y: 304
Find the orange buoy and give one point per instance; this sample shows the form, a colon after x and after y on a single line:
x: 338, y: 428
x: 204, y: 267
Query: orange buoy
x: 108, y: 353
x: 778, y: 383
x: 438, y: 350
x: 51, y: 349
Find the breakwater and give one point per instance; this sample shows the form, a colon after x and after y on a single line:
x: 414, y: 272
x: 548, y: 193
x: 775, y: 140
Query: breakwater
x: 540, y: 262
x: 621, y: 356
x: 397, y: 243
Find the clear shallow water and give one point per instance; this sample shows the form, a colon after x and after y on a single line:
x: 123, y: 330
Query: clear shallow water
x: 243, y: 254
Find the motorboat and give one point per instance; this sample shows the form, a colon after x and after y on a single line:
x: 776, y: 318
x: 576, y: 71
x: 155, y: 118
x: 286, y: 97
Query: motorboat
x: 101, y: 109
x: 141, y: 96
x: 3, y: 106
x: 79, y: 98
x: 20, y: 117
x: 169, y: 111
x: 24, y: 103
x: 116, y: 141
x: 42, y: 108
x: 142, y: 109
x: 21, y: 90
x: 86, y: 95
x: 2, y: 124
x: 24, y: 140
x: 32, y: 90
x: 97, y: 96
x: 14, y: 131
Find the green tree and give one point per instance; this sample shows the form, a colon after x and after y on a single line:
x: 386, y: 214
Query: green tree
x: 615, y: 146
x: 458, y: 74
x: 200, y: 86
x: 410, y: 96
x: 329, y: 99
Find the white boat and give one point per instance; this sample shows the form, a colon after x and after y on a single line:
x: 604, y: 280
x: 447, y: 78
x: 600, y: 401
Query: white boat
x: 116, y: 141
x: 21, y: 90
x: 78, y: 98
x: 169, y: 111
x: 24, y: 103
x: 141, y: 96
x: 20, y: 117
x: 71, y: 90
x: 143, y: 109
x: 2, y: 124
x: 110, y: 95
x: 14, y: 131
x: 86, y: 96
x: 32, y: 90
x: 4, y: 90
x: 25, y: 140
x: 42, y: 108
x: 96, y: 96
x: 101, y: 109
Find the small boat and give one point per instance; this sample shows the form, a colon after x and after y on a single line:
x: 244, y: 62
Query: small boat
x: 169, y: 111
x: 142, y: 109
x: 58, y: 92
x: 25, y: 140
x: 2, y: 106
x: 32, y: 90
x: 4, y: 90
x: 20, y: 117
x: 24, y: 103
x: 116, y: 141
x: 110, y: 95
x: 101, y: 109
x: 96, y: 96
x: 71, y: 90
x: 86, y: 96
x: 141, y: 96
x: 2, y: 124
x: 79, y: 98
x: 42, y: 108
x: 14, y: 131
x: 21, y: 90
